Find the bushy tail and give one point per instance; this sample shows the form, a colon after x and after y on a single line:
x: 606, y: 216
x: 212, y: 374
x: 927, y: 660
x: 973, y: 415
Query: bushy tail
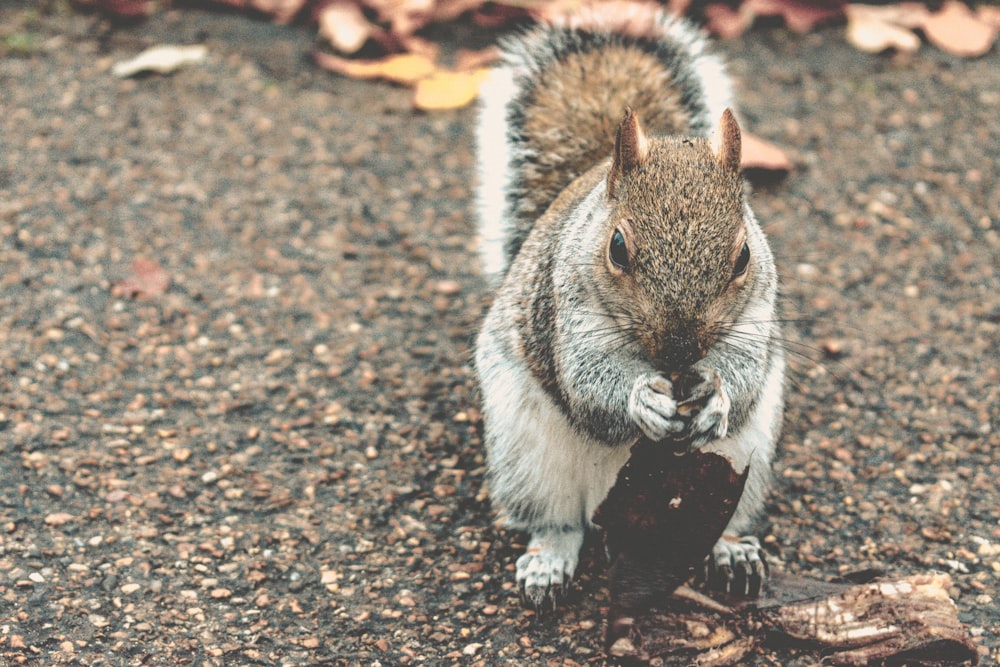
x: 550, y: 111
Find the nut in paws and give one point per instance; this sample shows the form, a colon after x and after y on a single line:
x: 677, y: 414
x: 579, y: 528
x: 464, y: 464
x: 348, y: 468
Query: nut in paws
x: 703, y: 404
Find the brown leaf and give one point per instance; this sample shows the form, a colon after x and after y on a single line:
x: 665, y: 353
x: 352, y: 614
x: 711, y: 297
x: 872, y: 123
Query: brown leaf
x: 420, y: 46
x: 448, y: 90
x: 636, y: 18
x: 282, y: 11
x: 446, y: 10
x: 404, y: 17
x: 126, y: 9
x: 875, y: 29
x: 760, y: 154
x: 148, y: 279
x: 343, y: 24
x: 799, y: 15
x: 495, y: 16
x: 678, y: 7
x: 466, y: 59
x: 958, y: 31
x: 726, y: 22
x: 407, y: 68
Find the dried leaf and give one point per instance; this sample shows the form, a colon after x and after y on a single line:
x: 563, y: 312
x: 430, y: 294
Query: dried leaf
x: 446, y: 10
x: 726, y: 22
x: 799, y: 15
x: 126, y: 9
x: 760, y: 154
x: 958, y: 31
x: 875, y: 29
x: 448, y: 89
x: 989, y: 14
x: 467, y: 60
x: 405, y: 17
x: 639, y: 19
x: 407, y: 68
x: 495, y: 16
x: 148, y: 279
x: 420, y: 46
x: 344, y: 25
x: 678, y: 7
x: 282, y: 11
x: 163, y: 59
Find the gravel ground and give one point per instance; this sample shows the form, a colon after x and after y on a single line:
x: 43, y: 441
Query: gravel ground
x: 277, y: 460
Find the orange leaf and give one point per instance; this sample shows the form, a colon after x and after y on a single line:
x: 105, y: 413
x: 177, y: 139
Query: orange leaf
x: 407, y: 68
x: 448, y: 90
x: 958, y: 31
x: 760, y: 154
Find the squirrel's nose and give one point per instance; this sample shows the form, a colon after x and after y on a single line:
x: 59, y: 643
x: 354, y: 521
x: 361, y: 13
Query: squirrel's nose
x: 679, y: 352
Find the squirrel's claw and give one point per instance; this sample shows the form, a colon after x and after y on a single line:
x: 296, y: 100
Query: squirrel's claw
x: 653, y: 408
x: 710, y: 418
x: 736, y: 566
x: 546, y: 569
x: 700, y: 416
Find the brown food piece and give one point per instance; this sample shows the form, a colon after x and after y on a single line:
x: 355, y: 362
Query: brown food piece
x: 661, y: 518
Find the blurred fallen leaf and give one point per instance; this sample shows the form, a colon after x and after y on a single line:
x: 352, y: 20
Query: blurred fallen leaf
x: 761, y: 154
x: 126, y: 9
x: 466, y: 59
x: 639, y: 19
x: 799, y: 15
x: 989, y: 14
x: 725, y: 22
x: 956, y: 30
x: 678, y: 7
x: 344, y: 25
x: 282, y: 11
x: 446, y: 10
x: 163, y: 59
x: 420, y: 46
x: 877, y: 28
x: 406, y: 68
x: 448, y: 90
x: 404, y: 17
x: 148, y: 279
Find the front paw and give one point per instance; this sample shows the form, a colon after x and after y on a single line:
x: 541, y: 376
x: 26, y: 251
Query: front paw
x: 704, y: 405
x: 545, y: 570
x: 652, y: 406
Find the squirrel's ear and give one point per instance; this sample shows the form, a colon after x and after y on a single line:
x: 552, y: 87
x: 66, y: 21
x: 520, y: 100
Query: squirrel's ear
x: 631, y: 149
x: 726, y: 142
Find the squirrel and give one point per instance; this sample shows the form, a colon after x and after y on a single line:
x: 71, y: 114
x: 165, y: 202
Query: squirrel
x: 633, y: 281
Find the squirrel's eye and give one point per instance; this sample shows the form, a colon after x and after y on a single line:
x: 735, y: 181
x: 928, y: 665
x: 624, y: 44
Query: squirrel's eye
x: 618, y: 252
x: 742, y: 262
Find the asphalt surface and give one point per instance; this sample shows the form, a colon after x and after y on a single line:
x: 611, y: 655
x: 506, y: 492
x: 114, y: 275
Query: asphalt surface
x: 260, y: 444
